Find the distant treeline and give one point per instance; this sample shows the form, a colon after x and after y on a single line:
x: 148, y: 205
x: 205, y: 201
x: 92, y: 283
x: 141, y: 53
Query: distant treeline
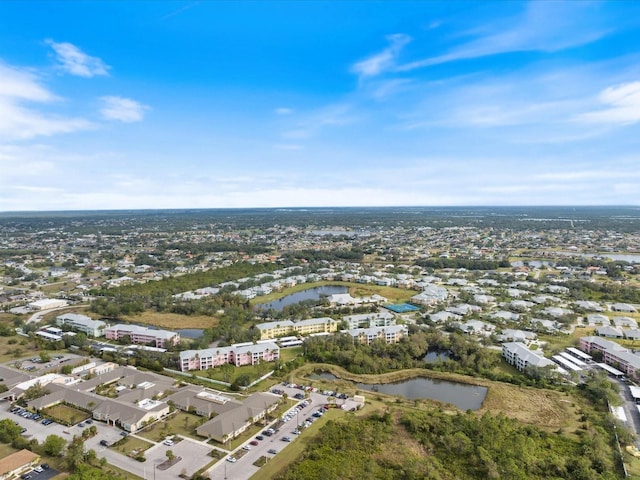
x: 350, y: 255
x: 132, y: 299
x: 467, y: 263
x: 208, y: 247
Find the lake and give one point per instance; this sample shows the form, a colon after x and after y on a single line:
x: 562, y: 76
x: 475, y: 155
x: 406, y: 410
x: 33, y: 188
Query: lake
x: 190, y: 332
x: 462, y: 395
x: 308, y: 294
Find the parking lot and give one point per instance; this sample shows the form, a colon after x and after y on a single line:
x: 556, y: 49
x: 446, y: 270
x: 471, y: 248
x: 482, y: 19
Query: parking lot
x: 243, y: 468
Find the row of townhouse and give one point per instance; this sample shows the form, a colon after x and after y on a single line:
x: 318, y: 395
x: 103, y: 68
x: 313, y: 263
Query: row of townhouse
x: 143, y: 335
x: 238, y: 355
x: 613, y: 354
x: 271, y: 330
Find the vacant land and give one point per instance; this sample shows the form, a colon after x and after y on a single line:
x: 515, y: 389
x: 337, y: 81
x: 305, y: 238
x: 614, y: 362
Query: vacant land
x: 65, y: 414
x: 172, y: 321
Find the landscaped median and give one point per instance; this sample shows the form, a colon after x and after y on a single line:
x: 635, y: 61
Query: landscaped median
x: 132, y: 447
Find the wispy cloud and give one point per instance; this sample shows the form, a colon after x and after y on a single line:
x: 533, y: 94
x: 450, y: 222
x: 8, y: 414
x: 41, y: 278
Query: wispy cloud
x: 283, y: 111
x: 122, y: 109
x: 330, y: 116
x: 74, y: 61
x: 18, y: 121
x: 384, y: 60
x: 622, y: 106
x: 180, y: 10
x: 544, y: 26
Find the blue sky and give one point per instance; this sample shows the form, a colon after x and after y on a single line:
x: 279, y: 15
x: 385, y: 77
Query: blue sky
x: 212, y: 104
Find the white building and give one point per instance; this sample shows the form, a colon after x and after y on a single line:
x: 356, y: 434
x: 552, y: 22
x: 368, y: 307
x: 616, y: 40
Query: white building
x: 82, y: 323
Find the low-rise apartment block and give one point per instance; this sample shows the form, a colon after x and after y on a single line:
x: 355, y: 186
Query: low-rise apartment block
x: 516, y: 354
x: 143, y: 335
x: 391, y: 334
x: 271, y: 330
x: 238, y: 355
x: 613, y: 354
x: 82, y: 323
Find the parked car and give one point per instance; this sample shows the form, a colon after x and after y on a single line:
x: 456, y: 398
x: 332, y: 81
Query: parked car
x: 286, y: 439
x: 168, y: 443
x: 272, y: 451
x: 231, y: 459
x: 104, y: 443
x: 259, y: 437
x: 246, y: 447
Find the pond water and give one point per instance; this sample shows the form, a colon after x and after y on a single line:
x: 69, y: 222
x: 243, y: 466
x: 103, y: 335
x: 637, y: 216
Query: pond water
x: 463, y: 396
x: 190, y: 332
x: 308, y: 294
x: 433, y: 357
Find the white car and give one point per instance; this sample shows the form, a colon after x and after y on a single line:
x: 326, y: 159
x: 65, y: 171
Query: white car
x: 231, y: 459
x: 168, y: 443
x: 246, y: 447
x: 38, y: 469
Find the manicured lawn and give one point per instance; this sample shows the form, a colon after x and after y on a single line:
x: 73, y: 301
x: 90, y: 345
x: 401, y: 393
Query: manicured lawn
x: 287, y: 354
x: 65, y: 414
x: 254, y: 372
x: 131, y: 446
x: 181, y: 423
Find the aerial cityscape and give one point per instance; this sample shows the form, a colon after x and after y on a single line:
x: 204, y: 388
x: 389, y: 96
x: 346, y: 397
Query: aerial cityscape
x: 319, y: 240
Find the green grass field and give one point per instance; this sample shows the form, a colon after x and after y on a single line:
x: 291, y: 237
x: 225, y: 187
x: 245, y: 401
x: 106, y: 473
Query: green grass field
x: 181, y: 423
x: 65, y: 414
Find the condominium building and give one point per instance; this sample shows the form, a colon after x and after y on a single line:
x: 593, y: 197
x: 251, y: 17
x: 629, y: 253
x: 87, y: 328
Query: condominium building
x: 390, y: 334
x: 238, y: 355
x: 613, y: 354
x: 143, y: 335
x: 271, y: 330
x: 516, y: 354
x: 82, y: 323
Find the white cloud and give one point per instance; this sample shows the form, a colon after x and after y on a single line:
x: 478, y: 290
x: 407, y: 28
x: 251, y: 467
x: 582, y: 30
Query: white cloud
x: 383, y: 61
x: 623, y: 106
x: 283, y: 111
x: 122, y: 109
x: 19, y: 122
x: 544, y: 26
x: 22, y: 84
x: 74, y: 61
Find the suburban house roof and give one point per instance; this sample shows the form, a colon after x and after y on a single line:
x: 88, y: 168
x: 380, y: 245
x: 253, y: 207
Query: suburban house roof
x: 16, y: 460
